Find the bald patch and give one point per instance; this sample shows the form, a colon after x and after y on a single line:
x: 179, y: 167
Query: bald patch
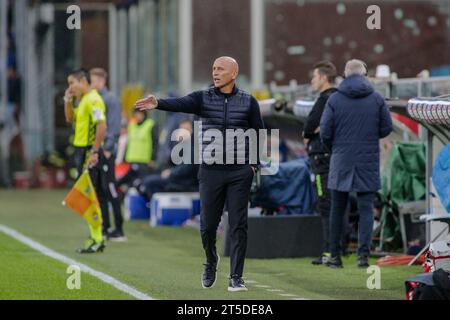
x: 230, y: 62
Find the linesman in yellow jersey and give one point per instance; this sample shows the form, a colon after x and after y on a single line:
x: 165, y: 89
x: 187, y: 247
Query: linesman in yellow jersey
x: 89, y: 121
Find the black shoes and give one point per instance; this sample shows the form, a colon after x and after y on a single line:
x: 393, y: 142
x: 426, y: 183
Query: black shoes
x: 92, y: 247
x: 209, y: 275
x: 335, y: 262
x: 363, y: 262
x: 209, y: 278
x: 117, y: 236
x: 321, y: 259
x: 236, y: 284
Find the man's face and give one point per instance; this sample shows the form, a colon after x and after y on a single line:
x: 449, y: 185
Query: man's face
x: 223, y: 72
x: 75, y: 86
x: 318, y: 80
x: 97, y: 82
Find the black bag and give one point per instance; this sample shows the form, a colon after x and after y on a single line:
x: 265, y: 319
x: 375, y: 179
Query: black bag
x: 424, y: 289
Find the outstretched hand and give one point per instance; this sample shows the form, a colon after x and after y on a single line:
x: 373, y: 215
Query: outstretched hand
x: 148, y: 103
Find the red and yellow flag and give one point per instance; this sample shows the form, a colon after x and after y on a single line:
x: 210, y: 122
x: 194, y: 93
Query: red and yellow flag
x: 83, y: 200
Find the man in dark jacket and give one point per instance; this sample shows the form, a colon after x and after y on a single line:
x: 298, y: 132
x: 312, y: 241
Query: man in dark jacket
x: 324, y: 75
x: 354, y: 120
x: 227, y: 168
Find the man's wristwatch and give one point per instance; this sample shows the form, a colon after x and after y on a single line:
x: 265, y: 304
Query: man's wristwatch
x: 67, y: 99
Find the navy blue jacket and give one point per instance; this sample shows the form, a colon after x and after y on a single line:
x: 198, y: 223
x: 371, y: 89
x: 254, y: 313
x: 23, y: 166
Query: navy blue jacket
x: 219, y: 111
x: 354, y: 120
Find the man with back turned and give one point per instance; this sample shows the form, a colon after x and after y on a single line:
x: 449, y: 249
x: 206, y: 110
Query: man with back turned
x: 356, y: 117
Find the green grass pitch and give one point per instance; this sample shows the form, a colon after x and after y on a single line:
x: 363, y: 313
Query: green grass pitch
x: 164, y: 262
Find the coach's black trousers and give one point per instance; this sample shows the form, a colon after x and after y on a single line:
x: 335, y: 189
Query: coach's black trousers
x: 217, y: 188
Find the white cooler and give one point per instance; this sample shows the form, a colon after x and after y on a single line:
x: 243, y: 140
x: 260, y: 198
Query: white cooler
x: 172, y: 209
x: 438, y: 256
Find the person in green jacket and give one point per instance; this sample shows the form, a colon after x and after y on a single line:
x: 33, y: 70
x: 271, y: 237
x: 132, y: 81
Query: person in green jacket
x: 142, y: 147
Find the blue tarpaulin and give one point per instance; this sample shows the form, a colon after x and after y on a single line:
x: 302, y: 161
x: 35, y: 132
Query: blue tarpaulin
x: 290, y: 187
x: 441, y: 176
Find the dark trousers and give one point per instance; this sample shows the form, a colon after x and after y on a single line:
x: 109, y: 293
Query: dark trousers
x: 103, y: 179
x: 323, y: 207
x: 320, y: 164
x: 365, y: 210
x: 217, y: 188
x: 152, y: 184
x: 81, y: 157
x: 110, y: 189
x: 134, y: 175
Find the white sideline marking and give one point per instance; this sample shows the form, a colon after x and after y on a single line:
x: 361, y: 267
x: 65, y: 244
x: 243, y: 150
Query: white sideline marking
x: 66, y: 260
x: 274, y: 290
x: 251, y: 281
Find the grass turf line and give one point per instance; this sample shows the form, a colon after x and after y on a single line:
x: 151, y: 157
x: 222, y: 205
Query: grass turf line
x: 26, y: 274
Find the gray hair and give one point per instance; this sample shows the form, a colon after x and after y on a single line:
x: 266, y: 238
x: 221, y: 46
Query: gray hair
x: 355, y: 67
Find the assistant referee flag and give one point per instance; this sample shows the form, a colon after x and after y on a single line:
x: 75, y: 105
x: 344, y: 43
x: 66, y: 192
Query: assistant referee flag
x: 83, y: 200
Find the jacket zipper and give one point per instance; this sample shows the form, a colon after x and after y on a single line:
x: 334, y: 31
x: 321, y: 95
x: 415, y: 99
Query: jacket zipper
x: 225, y: 123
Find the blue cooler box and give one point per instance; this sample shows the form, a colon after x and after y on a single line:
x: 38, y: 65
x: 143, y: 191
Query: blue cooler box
x: 171, y: 209
x: 195, y: 198
x: 195, y: 207
x: 136, y: 207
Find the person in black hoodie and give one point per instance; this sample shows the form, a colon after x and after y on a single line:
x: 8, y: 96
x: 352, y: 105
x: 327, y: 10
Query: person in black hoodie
x: 323, y: 78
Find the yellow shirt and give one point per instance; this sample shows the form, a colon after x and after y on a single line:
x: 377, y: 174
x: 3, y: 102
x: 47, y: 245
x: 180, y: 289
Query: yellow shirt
x: 90, y: 111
